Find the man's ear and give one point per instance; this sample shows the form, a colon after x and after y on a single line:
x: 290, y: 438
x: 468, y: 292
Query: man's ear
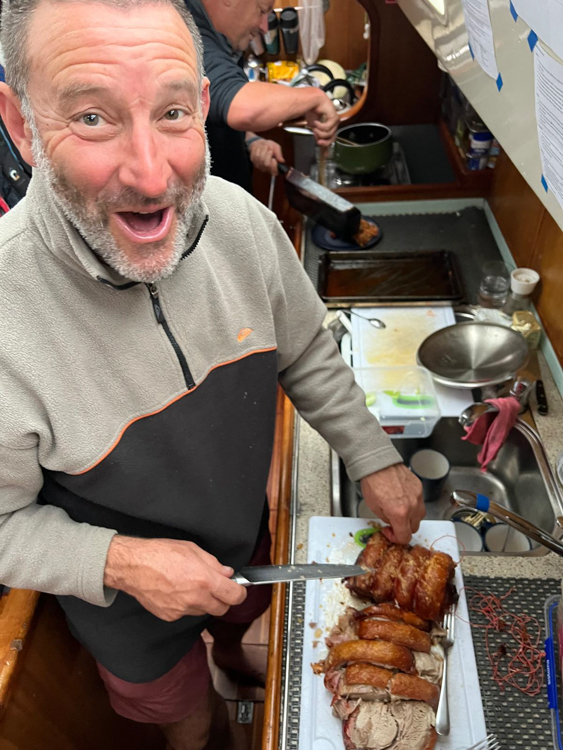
x: 19, y: 130
x: 205, y: 98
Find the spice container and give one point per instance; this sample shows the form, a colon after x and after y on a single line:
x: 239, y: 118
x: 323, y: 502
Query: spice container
x: 494, y: 152
x: 523, y: 281
x: 479, y: 143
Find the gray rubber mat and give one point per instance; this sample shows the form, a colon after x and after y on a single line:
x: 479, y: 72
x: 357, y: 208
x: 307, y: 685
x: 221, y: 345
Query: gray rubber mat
x: 519, y: 721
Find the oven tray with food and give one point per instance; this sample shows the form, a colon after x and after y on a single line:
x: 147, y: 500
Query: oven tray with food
x: 360, y: 277
x: 338, y: 540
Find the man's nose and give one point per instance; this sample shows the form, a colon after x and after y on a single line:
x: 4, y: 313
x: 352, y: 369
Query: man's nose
x: 264, y: 23
x: 144, y: 166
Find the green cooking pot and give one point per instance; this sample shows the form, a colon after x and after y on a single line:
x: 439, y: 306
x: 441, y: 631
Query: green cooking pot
x: 374, y: 149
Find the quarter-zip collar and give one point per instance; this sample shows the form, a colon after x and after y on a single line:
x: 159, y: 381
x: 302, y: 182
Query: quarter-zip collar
x: 46, y: 218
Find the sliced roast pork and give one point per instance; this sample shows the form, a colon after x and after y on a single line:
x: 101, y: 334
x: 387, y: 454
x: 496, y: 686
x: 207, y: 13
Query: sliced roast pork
x: 417, y: 579
x: 380, y: 653
x: 395, y: 632
x: 345, y: 628
x: 385, y: 661
x: 390, y: 726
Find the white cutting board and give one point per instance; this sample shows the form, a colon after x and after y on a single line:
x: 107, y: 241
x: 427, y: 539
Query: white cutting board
x: 397, y: 344
x: 331, y: 540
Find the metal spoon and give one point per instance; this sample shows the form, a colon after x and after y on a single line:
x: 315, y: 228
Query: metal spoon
x: 375, y: 322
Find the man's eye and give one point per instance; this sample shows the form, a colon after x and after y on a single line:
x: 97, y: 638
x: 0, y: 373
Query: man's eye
x: 174, y: 114
x: 92, y: 120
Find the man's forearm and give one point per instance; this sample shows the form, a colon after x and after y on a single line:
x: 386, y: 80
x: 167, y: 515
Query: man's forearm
x: 262, y: 106
x: 42, y: 548
x: 121, y: 558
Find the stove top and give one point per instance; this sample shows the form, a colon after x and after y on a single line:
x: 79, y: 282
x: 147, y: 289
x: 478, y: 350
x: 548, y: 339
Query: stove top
x: 395, y: 173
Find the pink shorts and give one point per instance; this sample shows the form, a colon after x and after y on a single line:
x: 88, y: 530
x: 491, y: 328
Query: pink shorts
x: 181, y: 691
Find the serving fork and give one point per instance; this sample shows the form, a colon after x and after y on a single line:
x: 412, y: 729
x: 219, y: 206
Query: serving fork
x: 443, y: 713
x: 489, y: 743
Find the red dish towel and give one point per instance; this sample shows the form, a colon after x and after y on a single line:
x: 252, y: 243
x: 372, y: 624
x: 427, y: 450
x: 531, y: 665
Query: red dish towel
x: 491, y: 430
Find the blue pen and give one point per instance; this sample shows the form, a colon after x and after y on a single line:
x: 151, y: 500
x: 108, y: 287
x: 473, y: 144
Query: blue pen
x: 551, y: 676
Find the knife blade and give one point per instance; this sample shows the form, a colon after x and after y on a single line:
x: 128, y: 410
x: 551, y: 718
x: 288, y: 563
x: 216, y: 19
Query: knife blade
x: 533, y: 368
x: 256, y: 575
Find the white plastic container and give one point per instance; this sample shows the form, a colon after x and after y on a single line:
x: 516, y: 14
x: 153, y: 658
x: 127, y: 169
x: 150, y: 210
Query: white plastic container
x: 403, y: 399
x: 523, y: 281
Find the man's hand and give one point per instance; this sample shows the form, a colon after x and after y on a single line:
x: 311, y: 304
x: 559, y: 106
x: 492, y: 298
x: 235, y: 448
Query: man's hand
x: 171, y: 578
x: 323, y: 120
x: 265, y: 155
x: 394, y: 494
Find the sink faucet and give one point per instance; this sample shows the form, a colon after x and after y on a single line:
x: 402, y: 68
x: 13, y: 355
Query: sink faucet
x: 466, y: 499
x: 520, y: 390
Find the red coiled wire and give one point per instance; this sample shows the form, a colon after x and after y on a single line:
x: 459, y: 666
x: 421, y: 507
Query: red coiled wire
x: 518, y: 661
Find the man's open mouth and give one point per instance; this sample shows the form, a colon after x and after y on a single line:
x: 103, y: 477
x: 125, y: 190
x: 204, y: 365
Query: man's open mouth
x: 145, y: 226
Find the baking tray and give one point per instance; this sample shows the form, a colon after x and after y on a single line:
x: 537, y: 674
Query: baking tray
x: 334, y: 539
x: 358, y: 277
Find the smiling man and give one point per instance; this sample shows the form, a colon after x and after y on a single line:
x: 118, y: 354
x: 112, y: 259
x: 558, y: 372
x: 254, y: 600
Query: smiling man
x: 147, y: 315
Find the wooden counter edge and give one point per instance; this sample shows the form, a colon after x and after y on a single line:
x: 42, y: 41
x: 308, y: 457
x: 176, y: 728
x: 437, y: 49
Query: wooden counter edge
x: 16, y: 617
x: 272, y: 703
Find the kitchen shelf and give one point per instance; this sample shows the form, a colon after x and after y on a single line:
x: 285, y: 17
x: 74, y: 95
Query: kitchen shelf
x: 479, y: 179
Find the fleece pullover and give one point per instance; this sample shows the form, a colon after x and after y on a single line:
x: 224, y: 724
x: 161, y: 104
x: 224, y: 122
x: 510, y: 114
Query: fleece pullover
x: 149, y: 410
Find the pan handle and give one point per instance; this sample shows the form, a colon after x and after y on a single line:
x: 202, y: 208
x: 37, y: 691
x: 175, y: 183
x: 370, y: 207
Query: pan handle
x: 465, y: 499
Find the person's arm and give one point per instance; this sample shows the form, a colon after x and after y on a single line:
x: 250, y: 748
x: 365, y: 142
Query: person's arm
x: 264, y: 154
x: 324, y: 391
x: 42, y: 548
x: 171, y: 578
x: 261, y: 106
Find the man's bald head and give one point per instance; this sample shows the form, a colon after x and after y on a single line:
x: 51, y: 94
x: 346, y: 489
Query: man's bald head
x: 16, y: 22
x: 106, y: 99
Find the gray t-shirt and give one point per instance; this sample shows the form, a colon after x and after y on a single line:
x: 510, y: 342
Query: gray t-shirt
x: 222, y: 64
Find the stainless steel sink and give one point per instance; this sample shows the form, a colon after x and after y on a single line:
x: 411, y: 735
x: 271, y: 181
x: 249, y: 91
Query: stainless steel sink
x: 519, y: 478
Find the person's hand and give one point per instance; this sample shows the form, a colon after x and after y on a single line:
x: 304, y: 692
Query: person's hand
x: 323, y: 120
x: 171, y: 578
x: 394, y: 494
x: 265, y: 155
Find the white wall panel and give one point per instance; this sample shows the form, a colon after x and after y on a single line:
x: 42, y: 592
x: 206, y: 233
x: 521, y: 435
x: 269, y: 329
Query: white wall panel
x: 509, y: 113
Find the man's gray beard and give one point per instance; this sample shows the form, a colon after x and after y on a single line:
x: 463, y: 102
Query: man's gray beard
x: 92, y: 223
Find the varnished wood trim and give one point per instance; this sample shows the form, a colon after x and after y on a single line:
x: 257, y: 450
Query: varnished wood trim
x: 428, y: 191
x: 270, y: 738
x: 18, y: 606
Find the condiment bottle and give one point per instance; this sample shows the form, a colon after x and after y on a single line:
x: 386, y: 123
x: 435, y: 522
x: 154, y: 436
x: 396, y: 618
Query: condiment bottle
x: 523, y: 281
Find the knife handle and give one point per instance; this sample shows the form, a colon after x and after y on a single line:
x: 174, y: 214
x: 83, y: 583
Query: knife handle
x: 541, y: 398
x: 239, y: 578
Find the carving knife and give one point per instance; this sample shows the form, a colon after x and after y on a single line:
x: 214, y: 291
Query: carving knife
x: 533, y: 368
x: 261, y: 574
